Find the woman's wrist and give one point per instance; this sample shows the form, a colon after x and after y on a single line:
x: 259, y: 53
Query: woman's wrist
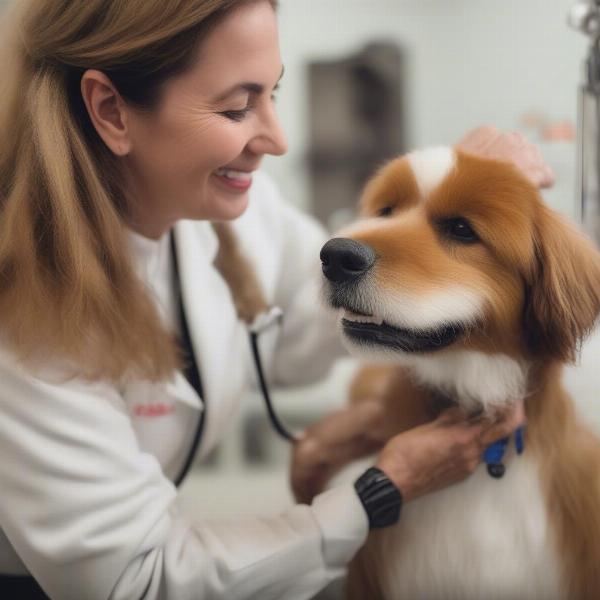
x: 398, y: 473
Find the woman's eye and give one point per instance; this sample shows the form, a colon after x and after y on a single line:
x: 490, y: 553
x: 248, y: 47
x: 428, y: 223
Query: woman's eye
x: 236, y: 115
x: 385, y: 211
x: 460, y: 229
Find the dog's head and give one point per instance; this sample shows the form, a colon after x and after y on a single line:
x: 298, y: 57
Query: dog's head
x: 455, y: 251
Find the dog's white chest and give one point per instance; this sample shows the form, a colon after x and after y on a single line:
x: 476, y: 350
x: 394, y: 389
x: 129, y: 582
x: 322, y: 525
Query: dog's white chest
x: 483, y: 538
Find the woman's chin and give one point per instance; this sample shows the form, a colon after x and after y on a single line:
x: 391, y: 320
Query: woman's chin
x: 225, y: 207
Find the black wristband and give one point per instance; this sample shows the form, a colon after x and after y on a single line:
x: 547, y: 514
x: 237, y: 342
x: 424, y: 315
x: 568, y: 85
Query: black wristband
x: 380, y: 497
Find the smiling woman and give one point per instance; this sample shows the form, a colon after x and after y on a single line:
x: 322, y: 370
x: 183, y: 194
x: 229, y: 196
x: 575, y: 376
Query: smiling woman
x: 136, y: 115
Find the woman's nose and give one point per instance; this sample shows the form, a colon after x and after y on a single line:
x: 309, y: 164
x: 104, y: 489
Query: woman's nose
x: 270, y: 138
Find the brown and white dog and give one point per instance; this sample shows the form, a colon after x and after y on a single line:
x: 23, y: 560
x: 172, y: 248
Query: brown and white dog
x: 476, y: 292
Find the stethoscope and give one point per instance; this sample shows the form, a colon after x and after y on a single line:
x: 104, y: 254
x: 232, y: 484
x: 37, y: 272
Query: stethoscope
x: 273, y: 317
x: 256, y: 314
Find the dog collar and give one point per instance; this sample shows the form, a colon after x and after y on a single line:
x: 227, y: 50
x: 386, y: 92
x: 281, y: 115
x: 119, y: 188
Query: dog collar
x: 494, y: 454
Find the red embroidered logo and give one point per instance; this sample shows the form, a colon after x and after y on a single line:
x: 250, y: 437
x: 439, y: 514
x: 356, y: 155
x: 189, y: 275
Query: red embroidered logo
x: 153, y: 410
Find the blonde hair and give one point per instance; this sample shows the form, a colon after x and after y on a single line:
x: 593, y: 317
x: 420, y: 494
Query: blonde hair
x: 67, y: 285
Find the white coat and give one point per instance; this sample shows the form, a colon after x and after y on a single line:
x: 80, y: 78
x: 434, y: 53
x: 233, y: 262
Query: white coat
x: 86, y: 469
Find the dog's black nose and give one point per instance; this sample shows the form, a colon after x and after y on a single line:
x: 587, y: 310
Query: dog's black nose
x: 344, y: 259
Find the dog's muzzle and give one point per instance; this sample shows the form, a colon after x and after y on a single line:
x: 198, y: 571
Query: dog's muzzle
x: 347, y: 266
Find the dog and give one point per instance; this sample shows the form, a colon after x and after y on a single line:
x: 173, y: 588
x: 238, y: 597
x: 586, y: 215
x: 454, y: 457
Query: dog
x: 474, y: 292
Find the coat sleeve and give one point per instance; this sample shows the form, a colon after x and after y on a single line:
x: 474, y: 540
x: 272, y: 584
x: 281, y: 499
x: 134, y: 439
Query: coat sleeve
x: 93, y: 517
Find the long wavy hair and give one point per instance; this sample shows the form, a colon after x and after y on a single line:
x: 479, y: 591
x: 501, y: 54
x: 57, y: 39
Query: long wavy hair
x: 67, y: 285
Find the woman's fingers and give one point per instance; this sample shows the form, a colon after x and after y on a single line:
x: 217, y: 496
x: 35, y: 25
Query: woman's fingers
x: 488, y: 142
x: 504, y: 426
x: 445, y: 451
x: 476, y: 140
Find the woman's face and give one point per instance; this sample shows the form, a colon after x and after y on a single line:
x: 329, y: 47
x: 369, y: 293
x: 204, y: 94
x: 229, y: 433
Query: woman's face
x: 193, y: 156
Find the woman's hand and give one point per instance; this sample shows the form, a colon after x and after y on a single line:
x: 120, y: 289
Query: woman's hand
x: 443, y: 452
x: 328, y: 445
x: 489, y: 142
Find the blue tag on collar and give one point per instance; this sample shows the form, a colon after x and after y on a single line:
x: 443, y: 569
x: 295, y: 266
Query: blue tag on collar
x: 494, y: 454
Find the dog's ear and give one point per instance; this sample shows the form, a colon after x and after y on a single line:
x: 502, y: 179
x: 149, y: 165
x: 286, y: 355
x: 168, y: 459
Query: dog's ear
x: 563, y: 288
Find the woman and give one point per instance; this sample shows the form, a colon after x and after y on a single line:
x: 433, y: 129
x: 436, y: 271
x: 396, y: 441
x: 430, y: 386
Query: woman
x: 126, y: 125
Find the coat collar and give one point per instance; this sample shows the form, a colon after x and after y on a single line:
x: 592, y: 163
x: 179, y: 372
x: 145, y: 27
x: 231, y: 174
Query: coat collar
x: 215, y: 332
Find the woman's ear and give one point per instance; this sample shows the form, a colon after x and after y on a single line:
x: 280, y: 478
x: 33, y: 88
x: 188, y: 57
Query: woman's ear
x: 563, y: 288
x: 107, y: 110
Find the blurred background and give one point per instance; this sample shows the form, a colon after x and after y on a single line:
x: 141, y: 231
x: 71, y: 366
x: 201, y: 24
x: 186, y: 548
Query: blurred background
x: 436, y: 68
x: 366, y: 80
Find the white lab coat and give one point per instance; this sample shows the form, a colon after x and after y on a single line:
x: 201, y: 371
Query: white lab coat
x: 86, y: 469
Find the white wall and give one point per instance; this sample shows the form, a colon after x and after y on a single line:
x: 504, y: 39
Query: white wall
x: 468, y: 62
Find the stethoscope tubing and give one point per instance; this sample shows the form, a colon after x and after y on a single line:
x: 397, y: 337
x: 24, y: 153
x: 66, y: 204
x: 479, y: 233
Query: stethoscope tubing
x: 264, y: 321
x: 279, y: 427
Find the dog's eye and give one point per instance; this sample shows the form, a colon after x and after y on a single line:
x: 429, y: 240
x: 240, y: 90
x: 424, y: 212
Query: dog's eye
x: 385, y: 211
x: 460, y: 230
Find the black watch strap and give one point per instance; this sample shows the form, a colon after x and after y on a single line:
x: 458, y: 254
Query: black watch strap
x: 380, y: 497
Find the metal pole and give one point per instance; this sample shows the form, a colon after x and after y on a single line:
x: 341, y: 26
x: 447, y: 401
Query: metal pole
x: 584, y: 17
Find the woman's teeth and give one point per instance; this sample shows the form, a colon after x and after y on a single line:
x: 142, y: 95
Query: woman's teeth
x: 351, y: 316
x: 234, y: 175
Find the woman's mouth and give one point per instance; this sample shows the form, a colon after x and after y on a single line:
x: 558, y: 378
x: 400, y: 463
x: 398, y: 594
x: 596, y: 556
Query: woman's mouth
x: 239, y: 181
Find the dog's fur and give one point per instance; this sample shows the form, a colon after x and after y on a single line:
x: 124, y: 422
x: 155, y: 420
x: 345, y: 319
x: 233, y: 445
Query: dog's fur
x: 523, y: 294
